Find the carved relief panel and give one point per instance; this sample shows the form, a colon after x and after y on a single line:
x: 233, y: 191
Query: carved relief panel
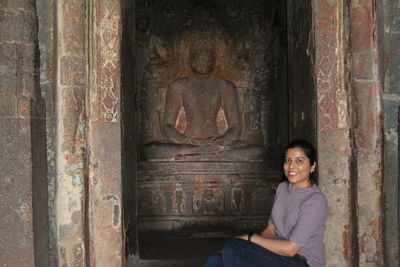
x: 207, y: 75
x: 246, y: 51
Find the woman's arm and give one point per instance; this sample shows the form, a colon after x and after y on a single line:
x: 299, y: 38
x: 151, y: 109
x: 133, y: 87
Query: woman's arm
x: 278, y: 246
x: 269, y: 231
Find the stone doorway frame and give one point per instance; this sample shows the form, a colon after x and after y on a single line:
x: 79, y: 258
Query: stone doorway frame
x: 90, y: 227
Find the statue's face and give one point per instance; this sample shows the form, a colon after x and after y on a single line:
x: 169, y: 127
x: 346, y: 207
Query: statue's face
x: 202, y: 62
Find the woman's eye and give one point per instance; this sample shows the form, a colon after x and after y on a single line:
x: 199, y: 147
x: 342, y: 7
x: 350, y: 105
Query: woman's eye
x: 286, y: 160
x: 299, y: 161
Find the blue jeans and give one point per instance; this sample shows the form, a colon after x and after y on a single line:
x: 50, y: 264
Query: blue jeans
x: 242, y: 253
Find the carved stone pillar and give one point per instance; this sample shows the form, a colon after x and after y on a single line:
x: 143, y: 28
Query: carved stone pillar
x: 333, y: 125
x: 89, y: 212
x: 23, y: 185
x: 350, y: 137
x: 104, y: 142
x: 366, y: 85
x: 72, y: 85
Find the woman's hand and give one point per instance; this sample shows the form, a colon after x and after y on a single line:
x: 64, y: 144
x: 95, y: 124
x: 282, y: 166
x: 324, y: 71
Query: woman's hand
x: 244, y: 237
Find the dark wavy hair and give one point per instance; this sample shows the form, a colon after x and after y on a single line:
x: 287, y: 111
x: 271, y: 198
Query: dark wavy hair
x: 308, y: 150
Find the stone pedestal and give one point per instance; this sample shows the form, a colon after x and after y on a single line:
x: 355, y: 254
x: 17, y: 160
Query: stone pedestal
x: 205, y: 199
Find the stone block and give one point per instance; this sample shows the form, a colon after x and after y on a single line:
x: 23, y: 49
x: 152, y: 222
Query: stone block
x: 16, y: 225
x: 24, y: 107
x: 203, y: 197
x: 8, y: 83
x: 391, y: 185
x: 8, y: 54
x: 105, y: 190
x: 367, y: 123
x: 73, y: 71
x: 8, y: 106
x: 363, y: 65
x: 26, y: 58
x: 74, y: 34
x: 17, y: 26
x: 18, y: 4
x: 361, y: 28
x: 391, y: 39
x: 26, y: 84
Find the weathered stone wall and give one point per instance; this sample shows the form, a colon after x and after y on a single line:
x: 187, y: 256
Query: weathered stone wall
x: 80, y: 85
x: 105, y: 207
x: 302, y: 96
x: 23, y: 181
x: 71, y: 132
x: 367, y: 126
x: 333, y: 126
x: 46, y: 39
x: 349, y: 130
x: 88, y: 195
x: 390, y: 37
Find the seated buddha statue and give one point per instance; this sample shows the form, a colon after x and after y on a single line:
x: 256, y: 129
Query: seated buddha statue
x: 201, y: 95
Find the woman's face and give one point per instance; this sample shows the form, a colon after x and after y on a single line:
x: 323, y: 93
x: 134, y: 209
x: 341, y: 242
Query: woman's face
x: 297, y: 168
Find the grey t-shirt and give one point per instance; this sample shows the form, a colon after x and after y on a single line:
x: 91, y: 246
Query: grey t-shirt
x: 299, y: 215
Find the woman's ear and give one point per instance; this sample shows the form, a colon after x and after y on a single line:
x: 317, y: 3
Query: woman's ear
x: 313, y: 167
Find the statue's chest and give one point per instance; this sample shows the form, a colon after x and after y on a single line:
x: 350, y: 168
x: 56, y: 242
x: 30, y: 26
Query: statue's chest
x: 202, y: 98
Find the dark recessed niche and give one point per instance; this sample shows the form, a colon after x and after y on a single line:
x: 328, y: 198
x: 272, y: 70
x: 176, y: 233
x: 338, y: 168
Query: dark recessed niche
x: 179, y: 203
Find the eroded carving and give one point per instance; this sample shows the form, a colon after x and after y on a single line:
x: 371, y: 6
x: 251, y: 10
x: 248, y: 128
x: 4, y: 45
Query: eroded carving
x: 74, y: 123
x: 237, y: 202
x: 152, y: 202
x: 207, y: 201
x: 108, y: 61
x: 179, y: 201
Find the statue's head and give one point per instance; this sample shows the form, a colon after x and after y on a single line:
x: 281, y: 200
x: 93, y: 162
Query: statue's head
x: 202, y: 57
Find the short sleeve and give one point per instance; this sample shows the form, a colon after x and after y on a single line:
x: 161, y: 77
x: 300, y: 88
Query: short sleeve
x: 312, y: 216
x: 271, y: 221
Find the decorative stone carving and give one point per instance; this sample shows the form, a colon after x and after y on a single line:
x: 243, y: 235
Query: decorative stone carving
x: 74, y: 123
x: 252, y: 110
x: 194, y: 194
x: 179, y: 201
x: 152, y: 202
x: 206, y: 78
x: 208, y: 201
x: 246, y: 53
x: 237, y: 202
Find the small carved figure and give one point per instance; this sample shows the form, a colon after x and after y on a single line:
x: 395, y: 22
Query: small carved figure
x: 210, y: 203
x: 252, y: 110
x: 237, y: 200
x: 152, y: 202
x: 179, y: 200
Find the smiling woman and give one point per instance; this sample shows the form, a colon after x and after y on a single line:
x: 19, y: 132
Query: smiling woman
x: 295, y: 232
x: 297, y: 166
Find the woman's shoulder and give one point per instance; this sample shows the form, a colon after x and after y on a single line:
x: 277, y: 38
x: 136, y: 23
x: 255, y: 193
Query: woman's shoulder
x: 283, y: 185
x: 317, y: 196
x: 317, y: 193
